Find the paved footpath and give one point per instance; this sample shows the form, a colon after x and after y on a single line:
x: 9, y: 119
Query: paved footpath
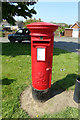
x: 4, y: 39
x: 66, y: 43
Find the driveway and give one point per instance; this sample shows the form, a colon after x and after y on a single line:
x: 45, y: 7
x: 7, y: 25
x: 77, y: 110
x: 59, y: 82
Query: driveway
x: 66, y: 43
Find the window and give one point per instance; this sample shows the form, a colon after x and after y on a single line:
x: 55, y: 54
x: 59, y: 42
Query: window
x: 20, y: 31
x: 27, y: 31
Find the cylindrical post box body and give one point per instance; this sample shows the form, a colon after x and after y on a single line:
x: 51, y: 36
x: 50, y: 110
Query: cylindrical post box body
x: 41, y: 54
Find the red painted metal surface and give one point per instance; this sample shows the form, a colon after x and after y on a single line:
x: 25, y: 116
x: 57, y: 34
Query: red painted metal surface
x: 41, y: 53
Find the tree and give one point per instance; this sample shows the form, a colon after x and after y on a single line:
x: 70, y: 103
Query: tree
x: 31, y: 21
x: 66, y: 26
x: 60, y: 30
x: 11, y: 9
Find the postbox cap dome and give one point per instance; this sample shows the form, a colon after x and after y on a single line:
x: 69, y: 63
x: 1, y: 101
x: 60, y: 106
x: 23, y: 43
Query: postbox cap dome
x: 42, y: 28
x: 42, y: 25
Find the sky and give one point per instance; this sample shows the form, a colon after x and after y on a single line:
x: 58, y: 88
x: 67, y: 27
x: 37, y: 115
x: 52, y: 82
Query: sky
x: 59, y: 12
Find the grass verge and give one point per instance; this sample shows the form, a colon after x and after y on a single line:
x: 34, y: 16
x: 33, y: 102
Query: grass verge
x: 16, y: 76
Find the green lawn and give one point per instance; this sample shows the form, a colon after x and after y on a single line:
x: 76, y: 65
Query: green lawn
x: 16, y: 76
x: 67, y: 113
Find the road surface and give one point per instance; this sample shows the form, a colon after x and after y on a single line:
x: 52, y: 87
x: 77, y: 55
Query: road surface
x: 66, y: 43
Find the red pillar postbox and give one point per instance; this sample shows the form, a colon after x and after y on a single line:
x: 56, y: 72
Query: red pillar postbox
x: 41, y: 55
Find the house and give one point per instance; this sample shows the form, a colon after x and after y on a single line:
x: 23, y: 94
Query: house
x: 20, y: 24
x: 4, y: 23
x: 6, y: 26
x: 73, y: 31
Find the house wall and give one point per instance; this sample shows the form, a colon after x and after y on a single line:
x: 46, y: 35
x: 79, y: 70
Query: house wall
x: 68, y: 32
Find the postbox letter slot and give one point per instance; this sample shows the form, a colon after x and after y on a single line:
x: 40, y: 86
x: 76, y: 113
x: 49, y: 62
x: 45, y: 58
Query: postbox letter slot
x: 45, y: 42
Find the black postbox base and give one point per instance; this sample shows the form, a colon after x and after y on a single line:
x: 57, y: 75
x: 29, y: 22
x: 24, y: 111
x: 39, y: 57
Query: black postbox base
x: 77, y: 91
x: 41, y: 95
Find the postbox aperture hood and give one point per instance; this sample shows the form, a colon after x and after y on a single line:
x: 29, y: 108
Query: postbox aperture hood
x: 42, y: 23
